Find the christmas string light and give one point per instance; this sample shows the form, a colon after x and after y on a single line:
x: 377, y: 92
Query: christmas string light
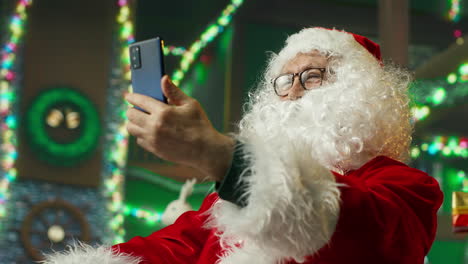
x: 150, y: 216
x: 210, y: 33
x: 7, y: 99
x: 451, y: 78
x: 442, y: 145
x: 419, y: 113
x: 438, y: 96
x: 454, y: 10
x: 173, y: 50
x: 463, y: 71
x: 113, y: 183
x: 439, y: 92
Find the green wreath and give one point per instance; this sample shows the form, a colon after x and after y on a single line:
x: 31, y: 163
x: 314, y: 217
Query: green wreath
x: 49, y: 149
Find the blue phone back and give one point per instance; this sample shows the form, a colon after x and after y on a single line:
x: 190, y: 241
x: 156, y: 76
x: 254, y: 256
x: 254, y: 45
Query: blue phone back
x: 147, y: 78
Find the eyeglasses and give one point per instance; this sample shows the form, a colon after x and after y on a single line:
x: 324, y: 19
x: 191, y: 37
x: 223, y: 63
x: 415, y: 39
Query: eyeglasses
x: 310, y: 78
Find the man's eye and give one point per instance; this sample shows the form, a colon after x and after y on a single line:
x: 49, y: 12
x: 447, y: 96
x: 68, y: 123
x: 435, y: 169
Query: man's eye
x: 283, y: 81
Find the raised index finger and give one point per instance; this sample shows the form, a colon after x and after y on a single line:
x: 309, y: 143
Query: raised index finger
x: 146, y: 103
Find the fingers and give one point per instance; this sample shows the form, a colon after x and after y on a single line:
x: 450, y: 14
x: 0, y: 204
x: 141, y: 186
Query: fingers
x: 135, y: 130
x: 173, y: 93
x: 137, y: 117
x: 147, y: 103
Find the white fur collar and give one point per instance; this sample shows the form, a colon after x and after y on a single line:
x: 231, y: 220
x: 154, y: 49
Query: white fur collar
x: 81, y: 253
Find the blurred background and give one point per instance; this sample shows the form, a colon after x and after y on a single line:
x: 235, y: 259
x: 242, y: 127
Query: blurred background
x: 67, y: 166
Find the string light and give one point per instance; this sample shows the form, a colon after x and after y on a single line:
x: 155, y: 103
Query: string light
x: 454, y: 10
x: 463, y: 71
x: 438, y: 96
x: 173, y: 50
x: 210, y: 33
x: 113, y: 183
x: 443, y: 145
x: 420, y: 113
x: 8, y: 119
x: 439, y: 92
x: 452, y: 78
x: 149, y: 216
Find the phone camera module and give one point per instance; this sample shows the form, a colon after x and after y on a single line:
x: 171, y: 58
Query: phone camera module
x: 135, y: 58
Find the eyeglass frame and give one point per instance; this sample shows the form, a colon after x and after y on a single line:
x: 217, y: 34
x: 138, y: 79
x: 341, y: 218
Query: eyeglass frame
x: 322, y: 71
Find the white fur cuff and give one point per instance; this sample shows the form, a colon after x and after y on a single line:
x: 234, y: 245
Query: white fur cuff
x: 80, y: 253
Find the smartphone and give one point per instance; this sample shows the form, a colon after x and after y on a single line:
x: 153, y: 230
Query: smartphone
x: 147, y: 67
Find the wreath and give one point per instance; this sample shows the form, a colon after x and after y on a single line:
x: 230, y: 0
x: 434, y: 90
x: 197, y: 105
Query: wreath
x: 47, y: 112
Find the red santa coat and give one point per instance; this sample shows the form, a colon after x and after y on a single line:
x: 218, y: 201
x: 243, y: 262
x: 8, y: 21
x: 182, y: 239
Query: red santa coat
x: 387, y: 215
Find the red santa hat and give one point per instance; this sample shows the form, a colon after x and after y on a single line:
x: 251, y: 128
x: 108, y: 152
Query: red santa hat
x: 349, y: 46
x: 368, y: 44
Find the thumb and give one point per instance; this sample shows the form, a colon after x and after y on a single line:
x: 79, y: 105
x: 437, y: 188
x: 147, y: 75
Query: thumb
x: 173, y: 93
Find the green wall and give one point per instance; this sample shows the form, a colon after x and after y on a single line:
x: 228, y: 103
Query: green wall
x: 141, y: 194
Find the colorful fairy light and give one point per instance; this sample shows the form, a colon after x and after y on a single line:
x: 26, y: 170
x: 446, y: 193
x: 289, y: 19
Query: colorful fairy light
x: 113, y: 183
x: 173, y: 50
x: 438, y: 96
x: 210, y: 33
x: 463, y: 71
x: 454, y: 10
x: 420, y: 113
x: 439, y: 92
x: 452, y: 78
x: 443, y: 145
x: 7, y: 100
x: 415, y: 152
x: 150, y: 216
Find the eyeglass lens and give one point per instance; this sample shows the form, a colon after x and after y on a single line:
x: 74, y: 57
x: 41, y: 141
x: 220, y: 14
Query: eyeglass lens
x: 309, y: 79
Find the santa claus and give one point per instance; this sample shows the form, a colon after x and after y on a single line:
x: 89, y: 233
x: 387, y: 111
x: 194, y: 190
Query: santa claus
x: 315, y: 175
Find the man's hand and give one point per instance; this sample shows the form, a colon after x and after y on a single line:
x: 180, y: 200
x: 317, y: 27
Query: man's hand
x: 179, y: 132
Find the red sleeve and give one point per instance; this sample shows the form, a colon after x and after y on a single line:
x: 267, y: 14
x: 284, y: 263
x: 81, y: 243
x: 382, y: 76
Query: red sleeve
x: 388, y: 214
x: 185, y: 241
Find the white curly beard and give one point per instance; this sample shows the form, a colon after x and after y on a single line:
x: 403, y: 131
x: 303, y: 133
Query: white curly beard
x: 293, y: 200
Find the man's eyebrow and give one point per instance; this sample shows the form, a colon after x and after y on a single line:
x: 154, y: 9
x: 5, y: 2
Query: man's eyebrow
x: 308, y: 66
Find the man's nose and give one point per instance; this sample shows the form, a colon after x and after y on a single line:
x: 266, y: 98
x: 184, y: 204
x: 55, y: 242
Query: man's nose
x: 296, y: 91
